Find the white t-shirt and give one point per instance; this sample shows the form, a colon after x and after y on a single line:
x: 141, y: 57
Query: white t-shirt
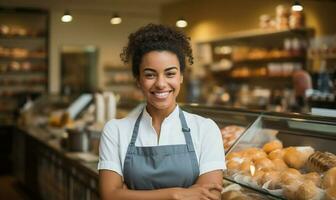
x: 205, y: 134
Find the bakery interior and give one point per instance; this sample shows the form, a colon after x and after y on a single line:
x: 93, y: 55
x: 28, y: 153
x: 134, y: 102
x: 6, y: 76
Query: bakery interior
x: 264, y: 71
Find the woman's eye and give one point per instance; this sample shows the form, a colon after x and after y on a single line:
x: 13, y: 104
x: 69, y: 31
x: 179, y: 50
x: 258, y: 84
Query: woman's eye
x: 149, y: 75
x: 171, y: 74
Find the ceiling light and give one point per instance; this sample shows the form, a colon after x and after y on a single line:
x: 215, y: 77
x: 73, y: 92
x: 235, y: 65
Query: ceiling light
x: 66, y: 17
x: 297, y: 6
x: 181, y: 23
x: 116, y: 19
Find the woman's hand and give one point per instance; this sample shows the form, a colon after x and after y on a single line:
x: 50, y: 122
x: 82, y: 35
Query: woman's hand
x: 199, y: 192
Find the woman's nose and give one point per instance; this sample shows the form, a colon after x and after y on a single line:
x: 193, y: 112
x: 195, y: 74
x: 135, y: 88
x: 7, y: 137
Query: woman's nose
x: 160, y: 82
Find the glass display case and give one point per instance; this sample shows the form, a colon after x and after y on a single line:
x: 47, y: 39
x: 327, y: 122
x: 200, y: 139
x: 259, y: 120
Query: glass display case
x: 287, y: 157
x: 232, y: 122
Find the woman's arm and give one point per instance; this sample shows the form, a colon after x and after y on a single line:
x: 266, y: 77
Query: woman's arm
x: 111, y: 188
x: 213, y: 177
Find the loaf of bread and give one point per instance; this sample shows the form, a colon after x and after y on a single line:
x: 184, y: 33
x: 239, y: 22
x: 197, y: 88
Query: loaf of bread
x: 321, y: 162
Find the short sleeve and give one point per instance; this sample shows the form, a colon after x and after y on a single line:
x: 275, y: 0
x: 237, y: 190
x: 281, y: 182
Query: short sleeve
x: 212, y: 156
x: 109, y: 151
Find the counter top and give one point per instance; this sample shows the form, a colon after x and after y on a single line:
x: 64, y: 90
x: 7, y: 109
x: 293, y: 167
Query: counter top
x: 48, y: 139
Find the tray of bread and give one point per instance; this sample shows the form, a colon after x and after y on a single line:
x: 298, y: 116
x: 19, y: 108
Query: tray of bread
x: 286, y: 158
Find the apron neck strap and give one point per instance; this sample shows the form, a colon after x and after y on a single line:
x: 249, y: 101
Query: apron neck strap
x: 185, y: 130
x: 136, y: 129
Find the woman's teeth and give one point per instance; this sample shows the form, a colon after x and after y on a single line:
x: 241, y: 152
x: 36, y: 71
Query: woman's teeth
x: 161, y: 95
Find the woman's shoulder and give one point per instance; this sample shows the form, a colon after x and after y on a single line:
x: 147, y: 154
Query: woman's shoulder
x: 200, y: 120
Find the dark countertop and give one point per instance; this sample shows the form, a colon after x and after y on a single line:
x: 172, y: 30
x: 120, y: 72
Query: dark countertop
x: 49, y: 140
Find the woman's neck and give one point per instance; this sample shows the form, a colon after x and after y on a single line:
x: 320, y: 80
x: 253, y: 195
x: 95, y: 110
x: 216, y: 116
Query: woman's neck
x: 158, y: 116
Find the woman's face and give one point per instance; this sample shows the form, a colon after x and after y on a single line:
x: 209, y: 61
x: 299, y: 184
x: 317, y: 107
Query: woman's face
x: 159, y: 79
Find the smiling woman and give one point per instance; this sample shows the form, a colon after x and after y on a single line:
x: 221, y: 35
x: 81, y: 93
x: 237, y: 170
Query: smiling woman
x: 161, y: 152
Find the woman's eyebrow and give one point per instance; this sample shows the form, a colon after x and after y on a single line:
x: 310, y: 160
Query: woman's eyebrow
x: 170, y: 68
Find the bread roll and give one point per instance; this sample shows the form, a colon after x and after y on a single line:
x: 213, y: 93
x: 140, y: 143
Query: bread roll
x: 233, y: 165
x: 279, y: 164
x: 254, y: 153
x: 263, y: 163
x: 233, y: 155
x: 314, y: 177
x: 271, y: 146
x: 278, y: 153
x: 274, y: 177
x: 234, y: 195
x: 307, y: 190
x: 245, y: 166
x: 329, y: 179
x: 257, y: 177
x: 290, y: 176
x: 331, y: 193
x: 296, y: 157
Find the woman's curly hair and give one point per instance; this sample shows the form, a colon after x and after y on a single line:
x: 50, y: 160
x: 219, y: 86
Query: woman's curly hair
x: 156, y: 38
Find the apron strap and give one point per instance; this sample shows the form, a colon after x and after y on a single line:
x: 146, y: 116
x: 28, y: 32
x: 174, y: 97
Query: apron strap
x: 186, y: 131
x: 136, y: 130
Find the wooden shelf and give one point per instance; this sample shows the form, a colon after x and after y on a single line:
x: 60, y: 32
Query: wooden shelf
x: 268, y: 60
x: 27, y: 37
x: 28, y: 58
x: 256, y: 33
x: 21, y: 72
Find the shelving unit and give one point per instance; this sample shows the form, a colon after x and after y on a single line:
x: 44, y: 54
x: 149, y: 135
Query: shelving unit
x: 119, y: 79
x: 253, y: 69
x: 24, y: 38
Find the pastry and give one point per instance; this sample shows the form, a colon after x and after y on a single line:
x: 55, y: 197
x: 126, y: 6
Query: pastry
x: 321, y: 162
x: 234, y: 195
x: 329, y: 178
x: 245, y: 166
x: 263, y: 163
x: 233, y: 165
x: 289, y: 191
x: 296, y: 157
x: 258, y: 177
x: 273, y: 177
x: 279, y: 164
x: 271, y: 146
x: 314, y: 177
x: 233, y: 155
x: 254, y: 153
x: 290, y: 176
x: 307, y: 190
x: 331, y: 193
x: 278, y: 153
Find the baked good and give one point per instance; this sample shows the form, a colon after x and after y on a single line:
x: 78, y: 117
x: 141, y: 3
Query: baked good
x: 233, y: 165
x: 278, y: 153
x: 234, y: 195
x: 329, y: 178
x: 289, y: 191
x: 258, y: 177
x: 233, y: 155
x: 245, y: 165
x: 273, y: 177
x: 314, y: 177
x: 290, y: 176
x: 263, y: 163
x: 331, y: 193
x: 296, y: 157
x: 307, y: 190
x: 254, y: 153
x: 321, y: 162
x: 279, y: 164
x: 271, y: 146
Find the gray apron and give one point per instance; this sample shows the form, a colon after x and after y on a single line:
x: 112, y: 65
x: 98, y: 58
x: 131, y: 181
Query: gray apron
x: 156, y: 167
